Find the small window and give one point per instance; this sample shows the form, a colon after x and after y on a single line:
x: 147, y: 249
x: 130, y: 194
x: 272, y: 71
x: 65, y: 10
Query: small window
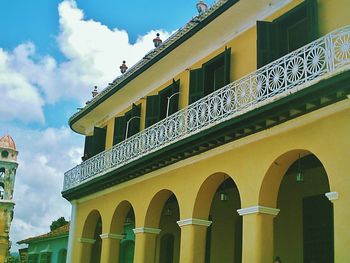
x: 2, y: 172
x: 4, y: 154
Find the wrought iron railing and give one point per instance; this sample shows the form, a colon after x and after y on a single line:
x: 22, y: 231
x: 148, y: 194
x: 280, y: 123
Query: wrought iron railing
x: 295, y: 71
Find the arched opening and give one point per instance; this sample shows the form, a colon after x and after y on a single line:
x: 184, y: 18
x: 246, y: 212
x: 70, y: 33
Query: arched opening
x: 91, y: 239
x: 123, y: 223
x: 2, y: 172
x: 218, y: 201
x: 163, y: 213
x: 62, y: 256
x: 127, y: 246
x: 303, y: 229
x: 169, y: 238
x: 2, y: 190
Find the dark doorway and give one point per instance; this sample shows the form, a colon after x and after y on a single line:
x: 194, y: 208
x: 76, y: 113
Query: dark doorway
x: 318, y: 229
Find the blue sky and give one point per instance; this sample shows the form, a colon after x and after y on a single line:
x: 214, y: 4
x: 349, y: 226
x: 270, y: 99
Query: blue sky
x: 52, y: 52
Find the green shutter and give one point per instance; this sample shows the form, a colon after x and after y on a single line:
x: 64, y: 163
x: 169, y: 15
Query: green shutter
x: 134, y: 125
x: 152, y: 113
x: 196, y: 91
x: 99, y: 140
x: 312, y: 16
x: 174, y: 102
x: 266, y: 43
x: 119, y: 130
x: 88, y: 148
x: 227, y: 65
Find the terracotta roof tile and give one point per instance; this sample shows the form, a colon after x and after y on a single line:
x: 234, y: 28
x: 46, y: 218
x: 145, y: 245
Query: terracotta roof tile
x: 63, y: 230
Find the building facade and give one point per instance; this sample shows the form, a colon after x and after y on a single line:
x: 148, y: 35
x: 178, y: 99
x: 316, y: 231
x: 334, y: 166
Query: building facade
x: 226, y: 143
x: 47, y: 248
x: 8, y: 167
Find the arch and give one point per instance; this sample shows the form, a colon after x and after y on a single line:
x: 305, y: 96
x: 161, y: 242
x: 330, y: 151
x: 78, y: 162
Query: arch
x: 155, y: 207
x: 273, y: 177
x: 2, y: 172
x: 120, y: 214
x: 90, y: 224
x: 206, y: 193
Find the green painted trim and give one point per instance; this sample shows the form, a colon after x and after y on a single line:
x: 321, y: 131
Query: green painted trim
x: 177, y: 43
x: 215, y: 135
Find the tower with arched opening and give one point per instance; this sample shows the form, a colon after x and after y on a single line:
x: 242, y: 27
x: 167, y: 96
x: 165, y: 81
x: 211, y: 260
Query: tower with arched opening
x: 8, y: 167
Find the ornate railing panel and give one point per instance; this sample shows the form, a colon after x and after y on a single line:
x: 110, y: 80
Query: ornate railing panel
x: 271, y: 82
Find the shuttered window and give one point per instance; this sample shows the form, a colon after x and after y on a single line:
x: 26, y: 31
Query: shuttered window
x: 45, y: 257
x: 119, y: 129
x: 33, y: 258
x: 170, y: 96
x: 196, y: 85
x: 213, y: 75
x: 287, y: 33
x: 120, y: 124
x: 152, y: 110
x: 95, y: 144
x: 133, y: 118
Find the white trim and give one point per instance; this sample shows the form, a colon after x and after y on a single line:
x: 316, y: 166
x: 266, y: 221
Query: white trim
x: 258, y: 210
x: 332, y: 196
x: 194, y: 221
x: 112, y: 236
x: 71, y: 231
x: 87, y: 240
x: 147, y: 230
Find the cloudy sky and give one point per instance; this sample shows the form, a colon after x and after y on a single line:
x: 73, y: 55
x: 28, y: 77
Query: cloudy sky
x: 52, y: 53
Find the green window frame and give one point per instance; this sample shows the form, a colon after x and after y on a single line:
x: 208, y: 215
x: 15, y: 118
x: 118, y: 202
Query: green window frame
x: 287, y: 33
x: 95, y: 144
x: 120, y: 124
x: 212, y: 76
x: 45, y: 257
x: 33, y: 258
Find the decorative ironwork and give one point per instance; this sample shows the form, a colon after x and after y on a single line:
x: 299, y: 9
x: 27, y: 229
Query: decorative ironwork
x: 275, y: 80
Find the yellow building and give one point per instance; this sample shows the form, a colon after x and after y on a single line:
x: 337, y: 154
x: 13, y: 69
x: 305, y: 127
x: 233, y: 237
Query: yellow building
x: 228, y: 142
x: 8, y: 167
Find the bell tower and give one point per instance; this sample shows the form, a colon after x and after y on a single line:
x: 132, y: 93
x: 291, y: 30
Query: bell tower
x: 8, y: 167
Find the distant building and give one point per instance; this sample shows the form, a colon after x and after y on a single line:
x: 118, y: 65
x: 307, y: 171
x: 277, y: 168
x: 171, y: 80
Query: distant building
x: 8, y: 167
x: 48, y: 248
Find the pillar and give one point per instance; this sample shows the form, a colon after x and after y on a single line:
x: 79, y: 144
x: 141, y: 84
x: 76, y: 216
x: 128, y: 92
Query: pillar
x: 341, y: 225
x: 258, y: 233
x: 145, y: 244
x: 110, y: 247
x: 85, y: 249
x: 193, y: 237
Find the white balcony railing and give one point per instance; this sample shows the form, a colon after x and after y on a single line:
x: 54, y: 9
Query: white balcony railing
x: 297, y: 70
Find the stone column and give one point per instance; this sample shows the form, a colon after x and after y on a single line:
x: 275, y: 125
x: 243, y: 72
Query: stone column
x: 145, y: 244
x: 341, y: 226
x: 85, y: 249
x: 193, y: 237
x: 110, y: 247
x: 258, y: 233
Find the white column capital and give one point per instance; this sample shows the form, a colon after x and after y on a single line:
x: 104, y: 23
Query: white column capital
x: 258, y: 210
x: 332, y: 196
x: 147, y: 230
x: 194, y: 221
x: 87, y: 240
x: 112, y: 236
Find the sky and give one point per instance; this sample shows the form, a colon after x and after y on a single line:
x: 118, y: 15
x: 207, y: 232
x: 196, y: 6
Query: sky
x: 52, y: 54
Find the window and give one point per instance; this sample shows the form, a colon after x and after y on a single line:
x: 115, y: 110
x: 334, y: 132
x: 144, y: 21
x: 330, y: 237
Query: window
x: 212, y: 76
x: 94, y: 144
x: 45, y: 257
x: 289, y: 32
x: 4, y: 154
x: 130, y: 121
x: 33, y: 258
x: 157, y: 106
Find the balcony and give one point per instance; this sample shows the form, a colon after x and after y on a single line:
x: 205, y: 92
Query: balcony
x: 294, y: 74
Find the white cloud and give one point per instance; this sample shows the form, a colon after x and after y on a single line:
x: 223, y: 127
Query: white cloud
x: 43, y: 158
x: 93, y: 55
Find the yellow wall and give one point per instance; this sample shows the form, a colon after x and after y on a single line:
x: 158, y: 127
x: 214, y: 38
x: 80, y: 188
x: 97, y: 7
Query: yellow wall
x: 247, y: 166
